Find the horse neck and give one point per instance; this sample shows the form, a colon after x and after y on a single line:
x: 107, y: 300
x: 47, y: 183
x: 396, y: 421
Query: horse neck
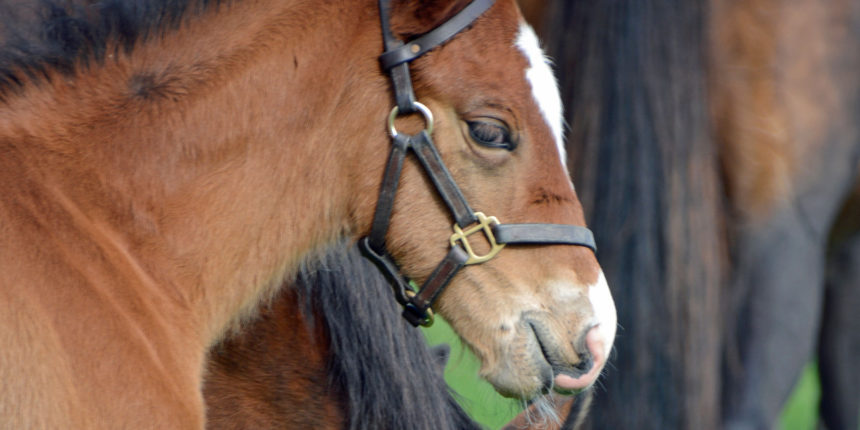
x: 206, y: 162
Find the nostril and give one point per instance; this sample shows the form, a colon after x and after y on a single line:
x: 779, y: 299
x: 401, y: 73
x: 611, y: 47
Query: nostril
x: 595, y: 344
x: 590, y: 347
x: 563, y: 363
x: 586, y: 358
x: 585, y: 364
x: 581, y: 344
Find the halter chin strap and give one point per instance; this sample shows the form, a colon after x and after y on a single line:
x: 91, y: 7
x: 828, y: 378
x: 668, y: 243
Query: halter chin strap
x: 417, y: 305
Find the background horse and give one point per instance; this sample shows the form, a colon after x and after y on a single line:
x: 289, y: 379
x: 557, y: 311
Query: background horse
x: 331, y: 352
x: 153, y: 155
x: 790, y: 144
x: 715, y: 146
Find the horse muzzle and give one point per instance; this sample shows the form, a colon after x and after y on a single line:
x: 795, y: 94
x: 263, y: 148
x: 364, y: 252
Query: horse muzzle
x: 551, y: 352
x: 567, y: 367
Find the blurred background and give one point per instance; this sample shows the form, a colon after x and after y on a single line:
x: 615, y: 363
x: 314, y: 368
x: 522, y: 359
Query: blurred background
x: 714, y: 147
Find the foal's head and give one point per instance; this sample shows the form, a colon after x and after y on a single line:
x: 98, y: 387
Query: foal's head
x: 537, y: 316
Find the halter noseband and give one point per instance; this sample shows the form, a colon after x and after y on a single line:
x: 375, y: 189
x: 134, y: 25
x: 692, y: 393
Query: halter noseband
x: 417, y: 305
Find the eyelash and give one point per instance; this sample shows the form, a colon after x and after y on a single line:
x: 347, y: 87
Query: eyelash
x: 491, y: 135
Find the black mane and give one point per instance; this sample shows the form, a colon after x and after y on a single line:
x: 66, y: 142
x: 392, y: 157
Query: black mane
x: 383, y: 365
x: 38, y: 37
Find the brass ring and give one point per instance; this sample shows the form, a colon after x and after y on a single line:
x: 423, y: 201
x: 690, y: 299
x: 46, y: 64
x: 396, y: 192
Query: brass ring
x: 428, y: 118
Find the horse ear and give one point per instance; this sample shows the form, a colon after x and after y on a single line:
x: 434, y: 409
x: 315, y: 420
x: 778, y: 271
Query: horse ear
x: 415, y: 17
x: 440, y: 354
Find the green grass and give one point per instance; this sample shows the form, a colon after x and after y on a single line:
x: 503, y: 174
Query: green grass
x: 477, y: 396
x: 801, y: 410
x: 492, y: 410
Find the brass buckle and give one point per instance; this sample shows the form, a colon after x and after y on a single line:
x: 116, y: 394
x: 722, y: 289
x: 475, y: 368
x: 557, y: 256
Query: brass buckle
x: 484, y: 223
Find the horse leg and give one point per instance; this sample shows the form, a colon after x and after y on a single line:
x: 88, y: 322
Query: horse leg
x: 781, y: 271
x: 779, y: 276
x: 839, y: 341
x: 799, y: 73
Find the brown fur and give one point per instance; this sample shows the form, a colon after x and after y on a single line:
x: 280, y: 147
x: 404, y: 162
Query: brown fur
x: 533, y: 12
x: 153, y: 199
x: 273, y: 375
x: 777, y: 85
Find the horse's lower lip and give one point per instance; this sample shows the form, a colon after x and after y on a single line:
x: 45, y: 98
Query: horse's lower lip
x: 566, y: 384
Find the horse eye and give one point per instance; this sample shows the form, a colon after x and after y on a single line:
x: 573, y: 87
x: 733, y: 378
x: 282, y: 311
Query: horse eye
x: 491, y: 135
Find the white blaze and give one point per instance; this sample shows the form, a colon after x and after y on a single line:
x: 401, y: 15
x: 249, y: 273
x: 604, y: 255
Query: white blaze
x: 544, y: 85
x: 604, y: 310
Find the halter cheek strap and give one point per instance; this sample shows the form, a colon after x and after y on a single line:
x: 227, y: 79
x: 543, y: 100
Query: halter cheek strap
x: 417, y: 305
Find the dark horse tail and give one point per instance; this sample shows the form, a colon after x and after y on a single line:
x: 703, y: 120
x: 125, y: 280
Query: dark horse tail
x: 646, y: 170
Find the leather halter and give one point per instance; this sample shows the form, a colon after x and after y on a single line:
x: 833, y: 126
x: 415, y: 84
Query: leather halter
x: 417, y: 305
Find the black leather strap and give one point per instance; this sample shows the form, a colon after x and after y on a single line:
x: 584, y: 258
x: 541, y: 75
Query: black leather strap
x: 436, y: 37
x: 388, y: 268
x: 416, y: 310
x: 389, y: 40
x: 390, y: 181
x: 441, y: 177
x: 404, y: 96
x: 429, y: 158
x: 401, y: 81
x: 544, y: 234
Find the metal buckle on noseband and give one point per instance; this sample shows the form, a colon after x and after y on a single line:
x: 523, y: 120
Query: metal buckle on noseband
x: 484, y: 224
